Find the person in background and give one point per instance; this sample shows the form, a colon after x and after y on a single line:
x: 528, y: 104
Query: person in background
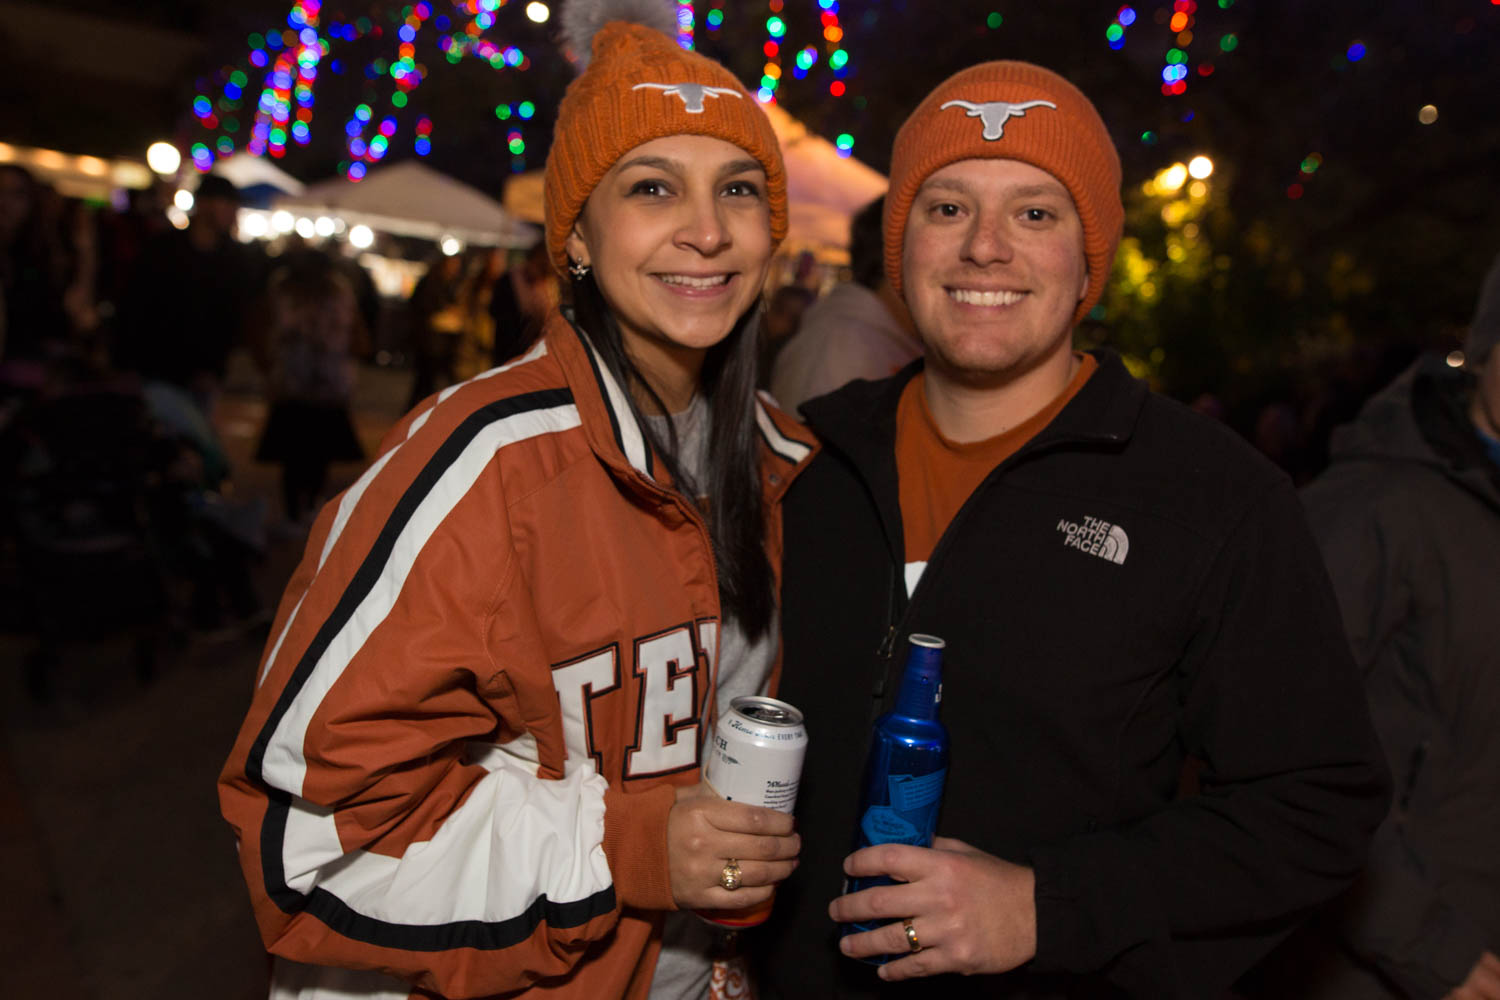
x: 188, y: 299
x: 1122, y: 584
x: 1408, y: 516
x: 860, y: 329
x: 471, y: 761
x: 520, y: 300
x: 432, y: 315
x: 784, y: 314
x: 33, y: 272
x: 311, y: 339
x: 476, y: 339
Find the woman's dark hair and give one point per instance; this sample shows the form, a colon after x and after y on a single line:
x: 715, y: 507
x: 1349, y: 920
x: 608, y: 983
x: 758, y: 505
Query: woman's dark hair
x: 736, y: 519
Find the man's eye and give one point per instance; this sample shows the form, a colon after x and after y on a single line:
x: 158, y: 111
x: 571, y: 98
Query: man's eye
x: 945, y: 209
x: 1037, y: 215
x: 649, y: 188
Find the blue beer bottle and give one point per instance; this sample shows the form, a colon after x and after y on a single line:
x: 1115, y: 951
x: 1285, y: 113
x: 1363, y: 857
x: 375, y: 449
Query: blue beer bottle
x: 906, y: 767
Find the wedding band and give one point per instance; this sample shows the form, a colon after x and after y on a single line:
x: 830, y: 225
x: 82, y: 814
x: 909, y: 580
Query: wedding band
x: 729, y: 878
x: 911, y: 935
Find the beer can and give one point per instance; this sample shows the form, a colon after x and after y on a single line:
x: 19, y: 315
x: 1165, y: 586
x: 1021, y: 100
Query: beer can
x: 755, y: 757
x: 757, y: 753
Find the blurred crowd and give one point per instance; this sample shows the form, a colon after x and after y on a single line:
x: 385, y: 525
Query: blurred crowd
x: 118, y: 330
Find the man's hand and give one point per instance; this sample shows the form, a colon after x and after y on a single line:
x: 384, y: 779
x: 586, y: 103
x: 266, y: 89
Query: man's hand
x: 971, y: 911
x: 1483, y: 982
x: 705, y: 831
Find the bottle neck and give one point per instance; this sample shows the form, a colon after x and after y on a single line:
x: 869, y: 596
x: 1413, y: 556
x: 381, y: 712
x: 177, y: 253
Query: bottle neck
x: 917, y: 697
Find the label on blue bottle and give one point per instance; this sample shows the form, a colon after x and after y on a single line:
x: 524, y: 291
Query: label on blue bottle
x: 912, y: 815
x: 910, y: 792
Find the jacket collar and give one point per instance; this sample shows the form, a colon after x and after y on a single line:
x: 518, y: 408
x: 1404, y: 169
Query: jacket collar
x: 860, y: 419
x: 787, y: 447
x: 616, y: 436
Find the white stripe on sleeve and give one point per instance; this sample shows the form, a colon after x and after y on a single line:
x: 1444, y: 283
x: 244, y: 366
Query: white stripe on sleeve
x: 284, y: 765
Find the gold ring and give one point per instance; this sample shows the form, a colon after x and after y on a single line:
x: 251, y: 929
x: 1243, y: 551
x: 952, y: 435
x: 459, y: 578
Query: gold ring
x: 911, y: 935
x: 729, y: 878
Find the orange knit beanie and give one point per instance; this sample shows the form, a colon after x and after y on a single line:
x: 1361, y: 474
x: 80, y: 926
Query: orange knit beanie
x: 641, y: 85
x: 1012, y: 111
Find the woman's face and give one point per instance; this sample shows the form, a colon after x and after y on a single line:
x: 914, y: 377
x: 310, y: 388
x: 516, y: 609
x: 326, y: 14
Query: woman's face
x: 679, y: 236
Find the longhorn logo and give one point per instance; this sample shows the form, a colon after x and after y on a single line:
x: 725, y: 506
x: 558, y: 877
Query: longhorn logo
x: 692, y: 94
x: 995, y: 114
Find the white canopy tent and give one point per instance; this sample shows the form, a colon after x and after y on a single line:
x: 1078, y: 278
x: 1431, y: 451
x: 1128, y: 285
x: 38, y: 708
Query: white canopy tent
x: 410, y: 199
x: 245, y: 170
x: 824, y: 189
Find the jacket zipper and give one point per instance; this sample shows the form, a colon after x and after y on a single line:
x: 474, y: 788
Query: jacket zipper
x: 886, y: 650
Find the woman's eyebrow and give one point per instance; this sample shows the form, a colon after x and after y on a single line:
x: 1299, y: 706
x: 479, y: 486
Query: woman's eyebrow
x: 741, y: 166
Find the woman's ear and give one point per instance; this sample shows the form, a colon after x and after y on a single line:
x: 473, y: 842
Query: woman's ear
x: 576, y: 249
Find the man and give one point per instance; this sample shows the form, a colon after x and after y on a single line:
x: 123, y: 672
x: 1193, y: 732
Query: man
x: 1408, y: 516
x: 860, y: 329
x: 1121, y: 584
x: 189, y: 297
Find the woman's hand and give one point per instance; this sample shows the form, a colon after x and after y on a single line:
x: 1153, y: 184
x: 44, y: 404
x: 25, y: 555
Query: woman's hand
x: 705, y: 831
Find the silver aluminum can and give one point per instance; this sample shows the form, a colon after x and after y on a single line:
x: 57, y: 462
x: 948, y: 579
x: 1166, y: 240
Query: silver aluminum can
x: 756, y: 753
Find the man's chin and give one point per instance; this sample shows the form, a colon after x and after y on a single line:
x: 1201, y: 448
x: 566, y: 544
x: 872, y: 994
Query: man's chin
x: 981, y: 372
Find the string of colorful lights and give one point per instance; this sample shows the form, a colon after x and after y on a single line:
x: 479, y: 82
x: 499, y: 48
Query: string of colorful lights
x: 289, y: 60
x: 805, y: 59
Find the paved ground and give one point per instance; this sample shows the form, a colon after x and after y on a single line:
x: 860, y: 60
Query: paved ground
x: 119, y: 877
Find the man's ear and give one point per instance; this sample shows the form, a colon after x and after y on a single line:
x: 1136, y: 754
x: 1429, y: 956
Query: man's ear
x: 1083, y: 292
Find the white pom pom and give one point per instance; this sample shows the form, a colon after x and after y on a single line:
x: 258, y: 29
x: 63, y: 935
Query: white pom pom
x: 582, y: 19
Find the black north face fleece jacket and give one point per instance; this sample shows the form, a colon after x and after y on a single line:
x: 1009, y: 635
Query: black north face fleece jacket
x: 1133, y: 587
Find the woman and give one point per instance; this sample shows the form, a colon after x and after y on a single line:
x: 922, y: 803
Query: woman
x: 472, y: 757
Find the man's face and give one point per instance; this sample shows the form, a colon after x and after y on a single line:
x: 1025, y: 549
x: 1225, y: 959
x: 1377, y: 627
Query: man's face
x: 993, y: 268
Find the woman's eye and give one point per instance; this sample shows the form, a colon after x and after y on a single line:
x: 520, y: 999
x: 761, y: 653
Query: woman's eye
x: 742, y: 189
x: 651, y: 189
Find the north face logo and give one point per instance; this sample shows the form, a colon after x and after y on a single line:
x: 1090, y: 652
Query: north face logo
x: 1096, y: 537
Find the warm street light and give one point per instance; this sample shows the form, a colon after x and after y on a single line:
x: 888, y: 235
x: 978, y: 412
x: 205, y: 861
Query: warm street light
x: 1172, y: 178
x: 254, y: 224
x: 163, y: 158
x: 183, y: 199
x: 361, y: 237
x: 1200, y: 167
x: 538, y: 12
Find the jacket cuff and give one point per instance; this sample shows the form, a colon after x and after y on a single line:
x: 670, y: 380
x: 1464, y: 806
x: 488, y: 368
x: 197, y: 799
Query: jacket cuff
x: 635, y: 844
x: 1059, y: 918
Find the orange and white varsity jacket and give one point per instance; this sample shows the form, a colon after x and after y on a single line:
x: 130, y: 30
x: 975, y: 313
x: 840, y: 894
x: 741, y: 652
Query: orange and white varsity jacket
x: 486, y: 678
